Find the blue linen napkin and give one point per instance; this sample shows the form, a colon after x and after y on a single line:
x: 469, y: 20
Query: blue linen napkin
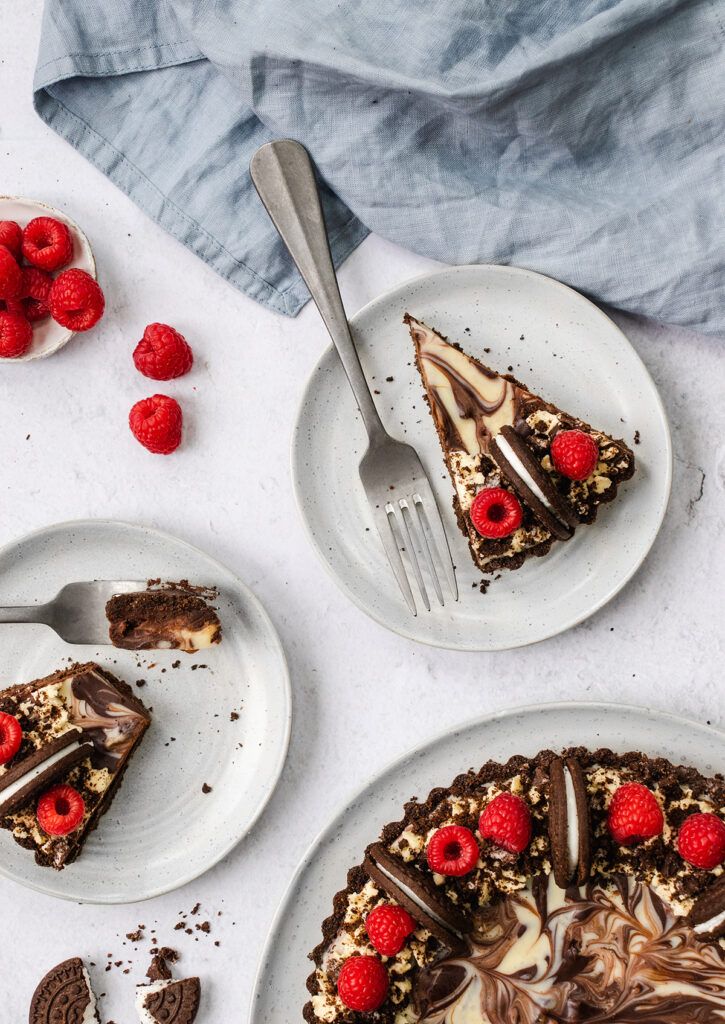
x: 581, y: 138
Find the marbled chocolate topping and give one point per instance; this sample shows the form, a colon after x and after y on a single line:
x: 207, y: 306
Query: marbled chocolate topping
x: 112, y: 723
x: 615, y: 955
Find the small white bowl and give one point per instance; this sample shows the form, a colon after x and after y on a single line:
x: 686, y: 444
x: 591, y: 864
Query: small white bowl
x: 48, y: 336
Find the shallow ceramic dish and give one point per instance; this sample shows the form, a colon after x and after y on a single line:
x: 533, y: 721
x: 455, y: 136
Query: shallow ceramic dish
x: 48, y: 336
x: 561, y: 346
x: 162, y: 830
x: 280, y: 991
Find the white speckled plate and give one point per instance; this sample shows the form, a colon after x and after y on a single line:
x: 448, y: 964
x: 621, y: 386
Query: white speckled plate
x: 48, y: 336
x: 280, y: 986
x: 571, y: 354
x: 161, y: 830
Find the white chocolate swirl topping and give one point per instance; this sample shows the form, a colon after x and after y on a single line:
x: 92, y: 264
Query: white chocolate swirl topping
x: 601, y: 955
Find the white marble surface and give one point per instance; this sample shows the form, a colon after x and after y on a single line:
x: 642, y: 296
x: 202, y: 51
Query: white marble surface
x: 66, y: 453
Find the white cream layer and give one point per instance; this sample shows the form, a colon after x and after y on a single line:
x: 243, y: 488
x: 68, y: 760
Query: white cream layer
x: 711, y: 925
x: 572, y: 822
x: 10, y: 791
x: 142, y: 994
x: 89, y: 1014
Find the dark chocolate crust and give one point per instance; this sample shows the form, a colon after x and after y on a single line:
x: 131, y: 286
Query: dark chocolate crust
x: 639, y: 861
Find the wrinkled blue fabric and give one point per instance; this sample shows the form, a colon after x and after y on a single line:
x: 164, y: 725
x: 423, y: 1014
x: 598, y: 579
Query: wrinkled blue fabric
x: 581, y: 138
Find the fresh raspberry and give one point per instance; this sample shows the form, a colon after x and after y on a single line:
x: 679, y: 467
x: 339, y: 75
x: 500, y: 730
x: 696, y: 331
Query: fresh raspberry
x: 574, y: 454
x: 11, y: 736
x: 76, y: 300
x: 60, y: 810
x: 162, y: 353
x: 16, y: 335
x: 702, y: 841
x: 33, y: 300
x: 156, y: 423
x: 47, y: 243
x: 634, y: 815
x: 507, y: 822
x: 11, y: 276
x: 11, y: 236
x: 362, y: 984
x: 388, y: 927
x: 496, y: 512
x: 452, y: 850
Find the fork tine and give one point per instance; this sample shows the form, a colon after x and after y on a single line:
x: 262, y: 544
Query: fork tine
x: 408, y: 529
x: 424, y: 546
x: 432, y: 526
x: 382, y: 521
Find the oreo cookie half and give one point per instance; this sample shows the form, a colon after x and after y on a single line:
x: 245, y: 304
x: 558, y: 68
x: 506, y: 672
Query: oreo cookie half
x: 169, y: 1002
x: 707, y: 917
x: 412, y: 890
x: 43, y: 766
x: 522, y: 470
x: 64, y: 996
x: 569, y: 830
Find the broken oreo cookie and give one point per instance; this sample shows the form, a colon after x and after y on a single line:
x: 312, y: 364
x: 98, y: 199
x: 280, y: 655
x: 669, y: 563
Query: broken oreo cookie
x: 169, y: 1002
x: 64, y: 996
x: 569, y: 829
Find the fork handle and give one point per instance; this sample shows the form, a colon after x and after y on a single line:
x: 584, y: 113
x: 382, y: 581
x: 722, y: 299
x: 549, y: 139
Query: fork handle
x: 25, y: 613
x: 285, y: 180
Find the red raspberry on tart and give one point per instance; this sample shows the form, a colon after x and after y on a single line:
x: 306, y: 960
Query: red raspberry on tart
x: 11, y: 736
x: 156, y: 424
x: 11, y: 236
x: 16, y: 334
x: 11, y: 276
x: 362, y: 984
x: 452, y: 850
x: 388, y: 926
x: 60, y: 810
x: 701, y: 841
x: 47, y: 243
x: 574, y: 454
x: 506, y: 821
x: 162, y: 353
x: 75, y: 300
x: 634, y: 815
x: 496, y: 512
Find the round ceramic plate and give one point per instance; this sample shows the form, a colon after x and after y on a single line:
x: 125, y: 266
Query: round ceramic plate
x: 566, y: 350
x: 135, y: 852
x: 48, y: 336
x: 280, y: 986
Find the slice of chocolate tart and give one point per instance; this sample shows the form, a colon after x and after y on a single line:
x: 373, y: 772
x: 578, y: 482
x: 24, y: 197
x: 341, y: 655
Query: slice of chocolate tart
x: 525, y: 473
x: 65, y: 743
x: 162, y: 619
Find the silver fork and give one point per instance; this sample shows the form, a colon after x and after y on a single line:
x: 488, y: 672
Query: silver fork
x: 395, y: 482
x: 78, y: 612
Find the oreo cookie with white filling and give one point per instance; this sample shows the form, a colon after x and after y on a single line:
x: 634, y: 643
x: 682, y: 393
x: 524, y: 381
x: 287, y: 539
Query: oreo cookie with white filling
x: 64, y: 996
x: 569, y: 828
x: 707, y: 917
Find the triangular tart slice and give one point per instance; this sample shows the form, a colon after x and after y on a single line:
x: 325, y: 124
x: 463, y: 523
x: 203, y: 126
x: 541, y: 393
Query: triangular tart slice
x: 77, y: 728
x: 495, y: 433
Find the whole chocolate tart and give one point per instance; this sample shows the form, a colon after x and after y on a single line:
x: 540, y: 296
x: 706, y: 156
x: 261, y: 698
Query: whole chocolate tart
x: 495, y: 433
x: 573, y: 927
x: 80, y: 727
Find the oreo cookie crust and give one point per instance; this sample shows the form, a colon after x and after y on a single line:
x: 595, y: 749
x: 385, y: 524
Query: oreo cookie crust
x: 664, y: 885
x: 64, y: 996
x: 707, y: 916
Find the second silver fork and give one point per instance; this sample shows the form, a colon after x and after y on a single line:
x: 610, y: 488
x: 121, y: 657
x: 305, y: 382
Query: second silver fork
x: 396, y: 485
